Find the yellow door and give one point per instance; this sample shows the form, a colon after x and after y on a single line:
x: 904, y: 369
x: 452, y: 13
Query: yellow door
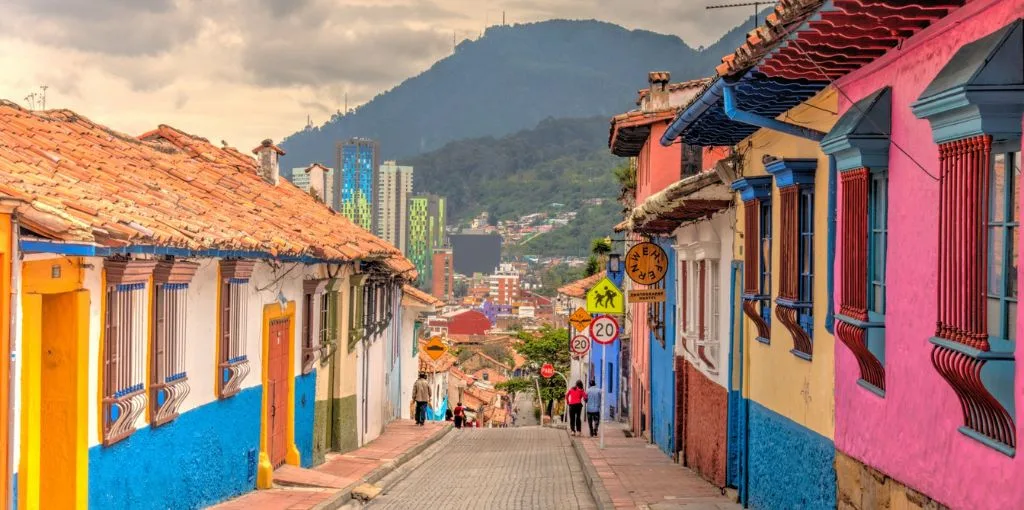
x: 54, y: 460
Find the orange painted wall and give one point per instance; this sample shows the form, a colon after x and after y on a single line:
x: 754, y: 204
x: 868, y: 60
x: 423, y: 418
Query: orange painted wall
x: 657, y: 166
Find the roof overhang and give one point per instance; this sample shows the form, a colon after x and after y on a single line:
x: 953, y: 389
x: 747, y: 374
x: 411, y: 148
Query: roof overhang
x: 629, y: 132
x: 802, y: 47
x: 690, y: 199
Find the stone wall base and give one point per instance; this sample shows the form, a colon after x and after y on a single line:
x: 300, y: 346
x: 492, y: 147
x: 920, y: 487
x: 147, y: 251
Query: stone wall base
x: 863, y: 487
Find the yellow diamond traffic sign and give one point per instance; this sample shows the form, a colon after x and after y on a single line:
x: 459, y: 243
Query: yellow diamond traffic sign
x: 605, y: 297
x: 435, y: 348
x: 580, y: 319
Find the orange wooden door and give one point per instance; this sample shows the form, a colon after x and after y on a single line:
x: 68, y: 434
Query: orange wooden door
x: 277, y: 379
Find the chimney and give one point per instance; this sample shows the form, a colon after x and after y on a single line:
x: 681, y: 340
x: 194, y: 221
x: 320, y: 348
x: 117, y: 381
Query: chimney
x: 318, y: 175
x: 658, y: 97
x: 267, y: 155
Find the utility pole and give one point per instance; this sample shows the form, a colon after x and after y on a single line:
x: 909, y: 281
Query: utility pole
x: 44, y: 87
x: 756, y: 5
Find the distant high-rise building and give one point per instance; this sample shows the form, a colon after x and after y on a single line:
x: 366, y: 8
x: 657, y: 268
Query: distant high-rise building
x: 443, y: 273
x: 305, y: 177
x: 393, y: 191
x: 476, y: 253
x: 504, y: 284
x: 426, y: 232
x: 355, y: 181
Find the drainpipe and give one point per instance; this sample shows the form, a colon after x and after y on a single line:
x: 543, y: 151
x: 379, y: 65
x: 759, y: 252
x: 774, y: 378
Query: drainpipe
x: 732, y: 111
x: 12, y: 380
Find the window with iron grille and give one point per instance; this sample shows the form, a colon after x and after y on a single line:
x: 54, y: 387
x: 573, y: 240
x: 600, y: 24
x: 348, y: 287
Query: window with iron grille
x: 168, y: 385
x: 806, y: 259
x: 314, y: 322
x: 124, y: 346
x: 708, y: 346
x: 233, y: 365
x: 765, y: 262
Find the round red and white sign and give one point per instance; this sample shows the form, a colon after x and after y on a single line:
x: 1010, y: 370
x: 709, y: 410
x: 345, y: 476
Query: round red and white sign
x: 547, y: 370
x: 579, y: 344
x: 604, y: 329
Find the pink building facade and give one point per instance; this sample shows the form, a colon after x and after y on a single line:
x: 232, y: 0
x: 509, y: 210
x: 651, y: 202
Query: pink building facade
x: 928, y: 154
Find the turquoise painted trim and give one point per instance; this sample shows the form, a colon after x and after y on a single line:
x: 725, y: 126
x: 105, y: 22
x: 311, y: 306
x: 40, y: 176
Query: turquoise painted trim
x: 91, y: 250
x: 204, y: 456
x: 871, y: 387
x: 860, y: 139
x: 830, y: 274
x: 792, y: 172
x: 753, y: 187
x: 305, y: 404
x: 732, y: 110
x: 970, y: 351
x: 791, y: 466
x: 979, y: 90
x: 988, y: 441
x: 859, y: 323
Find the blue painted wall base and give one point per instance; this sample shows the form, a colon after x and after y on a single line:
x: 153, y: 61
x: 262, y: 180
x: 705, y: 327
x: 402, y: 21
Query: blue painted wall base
x: 206, y: 455
x: 790, y: 466
x: 663, y: 377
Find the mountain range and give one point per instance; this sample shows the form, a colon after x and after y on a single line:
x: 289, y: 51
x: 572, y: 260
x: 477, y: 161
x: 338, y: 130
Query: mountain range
x: 511, y: 79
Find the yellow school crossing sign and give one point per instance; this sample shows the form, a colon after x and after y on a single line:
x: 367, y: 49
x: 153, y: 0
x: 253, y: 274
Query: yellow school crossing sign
x: 605, y: 298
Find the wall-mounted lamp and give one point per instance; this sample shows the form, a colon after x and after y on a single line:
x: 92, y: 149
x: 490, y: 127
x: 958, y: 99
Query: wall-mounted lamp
x: 614, y: 263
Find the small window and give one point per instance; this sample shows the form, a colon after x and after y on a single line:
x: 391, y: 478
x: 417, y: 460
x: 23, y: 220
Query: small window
x: 806, y: 259
x: 314, y: 322
x: 169, y: 381
x: 692, y: 160
x: 708, y: 349
x: 124, y: 347
x: 878, y: 233
x: 233, y: 365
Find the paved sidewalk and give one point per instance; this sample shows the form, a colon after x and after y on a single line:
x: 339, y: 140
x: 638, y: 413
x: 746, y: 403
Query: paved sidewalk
x: 636, y: 474
x: 296, y: 488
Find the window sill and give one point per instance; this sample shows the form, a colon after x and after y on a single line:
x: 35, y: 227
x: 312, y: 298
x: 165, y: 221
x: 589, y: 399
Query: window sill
x: 756, y: 297
x: 801, y: 354
x: 793, y: 303
x: 970, y: 351
x: 766, y: 341
x: 1005, y: 449
x: 871, y: 387
x: 859, y: 323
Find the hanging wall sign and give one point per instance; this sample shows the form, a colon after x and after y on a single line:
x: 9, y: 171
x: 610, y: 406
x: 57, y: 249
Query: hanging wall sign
x: 646, y: 263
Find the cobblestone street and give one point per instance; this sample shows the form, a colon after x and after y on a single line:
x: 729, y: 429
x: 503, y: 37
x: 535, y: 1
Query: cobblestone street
x: 519, y: 468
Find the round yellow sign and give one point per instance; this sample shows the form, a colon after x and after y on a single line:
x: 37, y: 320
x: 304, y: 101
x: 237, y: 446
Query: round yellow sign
x: 646, y: 263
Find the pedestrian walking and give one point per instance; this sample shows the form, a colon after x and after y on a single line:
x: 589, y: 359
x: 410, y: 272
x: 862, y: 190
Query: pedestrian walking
x: 460, y: 415
x: 421, y: 394
x: 575, y: 398
x: 593, y: 399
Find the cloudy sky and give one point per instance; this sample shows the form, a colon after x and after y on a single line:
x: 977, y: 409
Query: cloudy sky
x: 244, y: 70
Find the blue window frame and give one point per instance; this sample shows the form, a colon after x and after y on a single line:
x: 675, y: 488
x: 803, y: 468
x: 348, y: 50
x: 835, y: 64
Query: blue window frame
x: 878, y: 238
x: 1003, y: 223
x: 806, y: 253
x: 766, y: 260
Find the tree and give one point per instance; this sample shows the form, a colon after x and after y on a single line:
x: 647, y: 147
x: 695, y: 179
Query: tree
x: 549, y: 345
x: 593, y: 266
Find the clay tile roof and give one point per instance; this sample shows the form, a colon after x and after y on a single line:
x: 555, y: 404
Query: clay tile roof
x: 493, y: 377
x: 579, y: 288
x: 443, y: 364
x: 421, y: 296
x: 82, y: 182
x: 494, y: 361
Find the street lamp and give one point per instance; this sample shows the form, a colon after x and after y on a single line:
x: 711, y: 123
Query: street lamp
x: 614, y: 263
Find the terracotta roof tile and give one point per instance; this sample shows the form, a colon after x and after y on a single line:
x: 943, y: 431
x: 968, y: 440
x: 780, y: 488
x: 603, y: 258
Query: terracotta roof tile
x: 421, y: 296
x: 82, y: 182
x: 579, y: 288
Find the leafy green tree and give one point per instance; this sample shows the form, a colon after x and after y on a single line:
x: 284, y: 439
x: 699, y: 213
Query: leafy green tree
x: 549, y: 345
x: 593, y: 266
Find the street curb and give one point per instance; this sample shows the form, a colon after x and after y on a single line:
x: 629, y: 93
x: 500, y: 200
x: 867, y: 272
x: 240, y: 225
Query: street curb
x: 345, y: 495
x: 597, y: 490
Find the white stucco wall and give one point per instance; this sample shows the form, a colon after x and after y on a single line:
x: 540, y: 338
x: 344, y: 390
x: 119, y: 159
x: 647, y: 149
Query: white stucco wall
x: 707, y: 240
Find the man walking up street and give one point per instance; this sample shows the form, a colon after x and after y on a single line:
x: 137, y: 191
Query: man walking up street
x: 593, y: 408
x: 421, y: 394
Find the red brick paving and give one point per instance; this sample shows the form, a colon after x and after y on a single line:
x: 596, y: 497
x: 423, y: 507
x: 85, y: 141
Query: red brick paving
x: 302, y: 489
x: 637, y: 474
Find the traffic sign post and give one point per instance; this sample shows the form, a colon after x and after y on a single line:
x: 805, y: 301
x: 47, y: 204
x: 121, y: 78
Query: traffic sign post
x: 580, y: 319
x: 604, y: 329
x: 580, y: 344
x: 547, y: 370
x: 435, y: 348
x: 605, y: 297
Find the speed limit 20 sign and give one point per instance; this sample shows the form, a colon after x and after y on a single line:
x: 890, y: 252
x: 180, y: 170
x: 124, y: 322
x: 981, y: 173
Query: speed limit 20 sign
x: 579, y: 345
x: 604, y: 329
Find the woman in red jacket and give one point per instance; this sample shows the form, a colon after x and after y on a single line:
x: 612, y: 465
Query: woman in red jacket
x: 575, y: 398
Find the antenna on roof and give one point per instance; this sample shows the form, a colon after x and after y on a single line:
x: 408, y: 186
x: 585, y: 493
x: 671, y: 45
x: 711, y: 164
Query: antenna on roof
x: 43, y: 95
x: 756, y: 5
x: 31, y: 100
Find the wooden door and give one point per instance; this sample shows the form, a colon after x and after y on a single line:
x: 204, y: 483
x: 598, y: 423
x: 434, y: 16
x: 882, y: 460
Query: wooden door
x: 277, y: 386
